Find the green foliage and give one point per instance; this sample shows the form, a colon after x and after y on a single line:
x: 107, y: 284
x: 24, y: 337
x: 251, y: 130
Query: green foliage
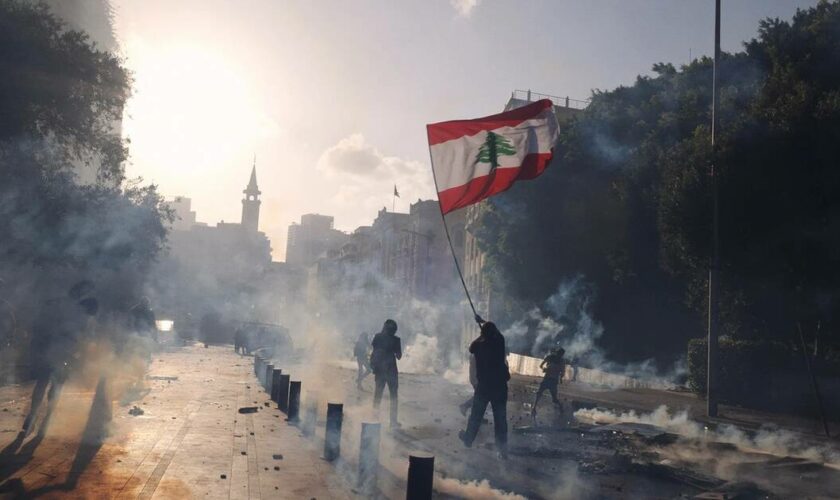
x: 57, y: 85
x: 627, y: 200
x: 754, y: 370
x: 61, y: 103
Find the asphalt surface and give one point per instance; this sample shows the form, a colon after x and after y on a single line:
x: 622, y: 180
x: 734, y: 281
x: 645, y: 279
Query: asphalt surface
x: 180, y: 435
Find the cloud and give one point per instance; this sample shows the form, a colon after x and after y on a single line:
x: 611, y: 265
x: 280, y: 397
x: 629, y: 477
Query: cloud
x: 464, y: 8
x: 353, y: 156
x: 363, y: 178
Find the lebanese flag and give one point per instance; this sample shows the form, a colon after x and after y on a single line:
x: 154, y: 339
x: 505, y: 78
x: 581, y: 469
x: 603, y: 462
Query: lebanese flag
x: 475, y: 159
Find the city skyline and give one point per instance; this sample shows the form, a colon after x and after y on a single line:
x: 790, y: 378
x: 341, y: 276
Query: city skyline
x: 270, y: 80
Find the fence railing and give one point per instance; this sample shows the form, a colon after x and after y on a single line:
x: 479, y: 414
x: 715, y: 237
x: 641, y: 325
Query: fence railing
x: 563, y: 102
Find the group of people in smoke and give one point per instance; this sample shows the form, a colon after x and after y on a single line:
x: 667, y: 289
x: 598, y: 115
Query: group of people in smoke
x: 63, y: 327
x: 489, y: 376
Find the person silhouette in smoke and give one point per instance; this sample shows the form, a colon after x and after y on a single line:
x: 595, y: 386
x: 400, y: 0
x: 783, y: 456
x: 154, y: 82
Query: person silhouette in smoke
x: 492, y: 374
x: 554, y: 369
x: 361, y: 353
x: 55, y: 346
x: 387, y: 349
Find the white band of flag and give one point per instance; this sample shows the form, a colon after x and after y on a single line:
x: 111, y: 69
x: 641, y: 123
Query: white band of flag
x: 475, y: 159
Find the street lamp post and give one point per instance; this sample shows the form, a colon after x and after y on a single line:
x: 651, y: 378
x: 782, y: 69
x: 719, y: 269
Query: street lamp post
x: 712, y: 367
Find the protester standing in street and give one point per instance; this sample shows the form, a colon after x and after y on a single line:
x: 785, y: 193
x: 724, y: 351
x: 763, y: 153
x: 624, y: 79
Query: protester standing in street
x: 493, y: 375
x: 387, y: 349
x: 553, y: 367
x: 362, y: 355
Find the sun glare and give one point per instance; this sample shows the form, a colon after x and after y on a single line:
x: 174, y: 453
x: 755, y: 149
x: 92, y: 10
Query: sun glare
x: 191, y: 110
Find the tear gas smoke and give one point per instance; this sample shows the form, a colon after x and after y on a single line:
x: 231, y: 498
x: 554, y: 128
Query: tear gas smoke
x: 565, y: 319
x: 767, y: 440
x: 472, y: 489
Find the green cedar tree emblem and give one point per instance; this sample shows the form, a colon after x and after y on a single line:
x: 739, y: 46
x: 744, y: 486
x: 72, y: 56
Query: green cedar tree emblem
x: 494, y: 146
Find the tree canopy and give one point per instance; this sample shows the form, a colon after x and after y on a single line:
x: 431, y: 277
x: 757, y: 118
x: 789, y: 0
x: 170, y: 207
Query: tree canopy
x: 61, y: 105
x: 626, y: 201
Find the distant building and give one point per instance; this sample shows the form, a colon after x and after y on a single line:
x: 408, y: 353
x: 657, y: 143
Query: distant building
x: 183, y: 213
x: 425, y: 265
x: 251, y: 203
x: 312, y: 239
x: 225, y: 268
x: 387, y: 229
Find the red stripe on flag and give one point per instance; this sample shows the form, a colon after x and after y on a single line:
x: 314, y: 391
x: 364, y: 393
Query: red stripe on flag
x: 496, y: 182
x: 446, y: 131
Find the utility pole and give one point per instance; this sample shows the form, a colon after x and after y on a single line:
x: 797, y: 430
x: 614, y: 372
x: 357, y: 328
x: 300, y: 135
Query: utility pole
x: 712, y: 366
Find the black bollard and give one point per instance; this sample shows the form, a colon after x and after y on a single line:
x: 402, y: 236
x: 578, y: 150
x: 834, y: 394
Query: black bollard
x: 332, y: 434
x: 283, y: 393
x: 268, y: 377
x: 421, y: 473
x: 258, y: 364
x: 310, y: 417
x: 294, y: 402
x: 369, y: 458
x: 275, y: 383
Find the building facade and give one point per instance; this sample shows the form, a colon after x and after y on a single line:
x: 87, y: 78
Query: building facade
x: 311, y: 239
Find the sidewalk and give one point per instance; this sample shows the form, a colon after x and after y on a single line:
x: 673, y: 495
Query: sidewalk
x: 191, y: 441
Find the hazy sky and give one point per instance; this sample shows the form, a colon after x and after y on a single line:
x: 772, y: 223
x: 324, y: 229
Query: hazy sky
x: 333, y: 96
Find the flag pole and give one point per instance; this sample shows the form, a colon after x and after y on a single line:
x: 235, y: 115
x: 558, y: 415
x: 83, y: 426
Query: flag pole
x: 448, y: 237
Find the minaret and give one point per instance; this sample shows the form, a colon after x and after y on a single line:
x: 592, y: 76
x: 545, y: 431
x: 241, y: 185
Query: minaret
x: 251, y: 202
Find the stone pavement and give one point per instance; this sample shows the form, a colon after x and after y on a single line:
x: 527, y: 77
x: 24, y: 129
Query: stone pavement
x: 190, y: 441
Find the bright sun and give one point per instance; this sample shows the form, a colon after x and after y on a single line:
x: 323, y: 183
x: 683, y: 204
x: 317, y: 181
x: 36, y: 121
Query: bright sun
x: 191, y: 110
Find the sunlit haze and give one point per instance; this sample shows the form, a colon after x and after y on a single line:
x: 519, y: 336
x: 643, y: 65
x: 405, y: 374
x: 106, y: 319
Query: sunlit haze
x: 333, y: 97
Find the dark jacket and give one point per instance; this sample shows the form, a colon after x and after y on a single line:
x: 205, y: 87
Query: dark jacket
x: 387, y: 349
x: 490, y: 362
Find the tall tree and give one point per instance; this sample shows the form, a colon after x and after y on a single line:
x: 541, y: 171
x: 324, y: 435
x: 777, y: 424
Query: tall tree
x: 626, y: 202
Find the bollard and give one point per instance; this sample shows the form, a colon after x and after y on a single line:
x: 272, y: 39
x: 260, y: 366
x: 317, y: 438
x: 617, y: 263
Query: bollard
x: 258, y: 367
x: 283, y: 393
x: 421, y: 473
x: 275, y: 383
x: 332, y: 434
x: 294, y: 402
x: 267, y: 378
x: 369, y: 458
x: 310, y: 417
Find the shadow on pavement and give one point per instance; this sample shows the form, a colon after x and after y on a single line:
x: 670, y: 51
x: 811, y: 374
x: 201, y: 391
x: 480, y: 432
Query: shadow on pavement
x: 94, y: 435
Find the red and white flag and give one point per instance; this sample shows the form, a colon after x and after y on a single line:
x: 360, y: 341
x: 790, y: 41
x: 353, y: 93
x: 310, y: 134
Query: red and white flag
x: 475, y: 159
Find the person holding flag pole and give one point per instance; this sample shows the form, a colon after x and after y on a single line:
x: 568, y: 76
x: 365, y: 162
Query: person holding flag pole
x: 471, y: 161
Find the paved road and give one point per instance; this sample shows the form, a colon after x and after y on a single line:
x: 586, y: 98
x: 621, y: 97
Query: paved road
x: 189, y: 436
x: 559, y: 457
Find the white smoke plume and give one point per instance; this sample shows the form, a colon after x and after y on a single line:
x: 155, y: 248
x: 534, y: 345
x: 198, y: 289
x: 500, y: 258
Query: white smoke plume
x: 566, y: 319
x: 771, y: 441
x: 472, y: 489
